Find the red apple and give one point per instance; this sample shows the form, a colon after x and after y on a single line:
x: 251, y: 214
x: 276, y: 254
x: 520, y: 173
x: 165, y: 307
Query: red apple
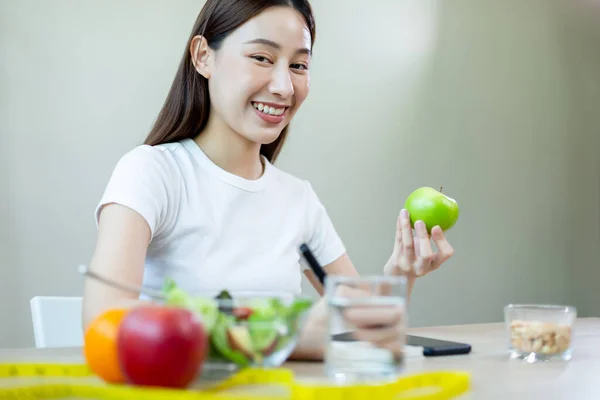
x: 161, y: 346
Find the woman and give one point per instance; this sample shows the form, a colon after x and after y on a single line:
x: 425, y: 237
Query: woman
x: 201, y: 200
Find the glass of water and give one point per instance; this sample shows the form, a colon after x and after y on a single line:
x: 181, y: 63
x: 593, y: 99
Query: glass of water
x: 367, y: 319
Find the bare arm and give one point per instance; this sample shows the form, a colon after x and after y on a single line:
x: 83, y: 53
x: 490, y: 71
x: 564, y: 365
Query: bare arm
x: 314, y: 281
x: 341, y: 266
x: 121, y: 246
x: 344, y: 266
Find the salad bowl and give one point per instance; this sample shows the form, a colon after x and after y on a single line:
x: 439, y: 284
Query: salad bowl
x: 247, y: 329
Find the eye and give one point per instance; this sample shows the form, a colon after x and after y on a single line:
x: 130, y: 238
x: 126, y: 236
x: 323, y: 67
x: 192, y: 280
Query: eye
x: 299, y: 66
x: 261, y: 58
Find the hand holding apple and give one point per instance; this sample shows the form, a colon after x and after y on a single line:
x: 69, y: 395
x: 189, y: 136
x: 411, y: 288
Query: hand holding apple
x: 429, y: 212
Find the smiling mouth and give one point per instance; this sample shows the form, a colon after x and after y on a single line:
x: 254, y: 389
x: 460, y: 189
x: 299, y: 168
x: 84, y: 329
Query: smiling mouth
x: 269, y: 110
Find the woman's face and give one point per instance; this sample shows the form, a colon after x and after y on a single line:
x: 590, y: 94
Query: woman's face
x: 259, y: 77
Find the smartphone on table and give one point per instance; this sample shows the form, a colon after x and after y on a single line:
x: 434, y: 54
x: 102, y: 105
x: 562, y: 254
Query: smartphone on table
x: 437, y: 347
x: 431, y: 347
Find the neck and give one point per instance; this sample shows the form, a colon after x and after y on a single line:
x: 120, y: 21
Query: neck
x: 229, y: 150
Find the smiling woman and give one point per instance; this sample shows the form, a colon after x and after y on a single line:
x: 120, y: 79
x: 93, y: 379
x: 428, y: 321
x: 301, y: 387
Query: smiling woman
x: 256, y: 42
x: 201, y: 203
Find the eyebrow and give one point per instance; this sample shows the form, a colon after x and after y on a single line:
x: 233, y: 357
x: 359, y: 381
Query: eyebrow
x: 277, y: 46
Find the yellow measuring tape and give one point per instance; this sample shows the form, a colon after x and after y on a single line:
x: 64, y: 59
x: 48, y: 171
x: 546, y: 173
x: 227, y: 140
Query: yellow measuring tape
x: 54, y: 381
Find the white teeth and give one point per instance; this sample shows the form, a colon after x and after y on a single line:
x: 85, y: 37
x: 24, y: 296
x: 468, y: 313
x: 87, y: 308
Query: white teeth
x: 268, y: 110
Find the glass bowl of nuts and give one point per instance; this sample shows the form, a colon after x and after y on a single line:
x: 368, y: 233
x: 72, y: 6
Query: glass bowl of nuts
x: 540, y: 332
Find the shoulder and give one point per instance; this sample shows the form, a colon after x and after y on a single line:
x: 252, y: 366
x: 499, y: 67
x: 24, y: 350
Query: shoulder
x: 318, y: 231
x: 291, y: 183
x: 161, y: 164
x: 298, y: 189
x: 146, y: 179
x: 164, y: 156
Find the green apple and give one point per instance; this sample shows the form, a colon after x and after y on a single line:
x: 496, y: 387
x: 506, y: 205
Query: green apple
x: 432, y: 207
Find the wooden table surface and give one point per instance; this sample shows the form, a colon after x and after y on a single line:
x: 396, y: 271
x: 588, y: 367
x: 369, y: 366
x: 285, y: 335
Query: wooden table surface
x: 494, y: 376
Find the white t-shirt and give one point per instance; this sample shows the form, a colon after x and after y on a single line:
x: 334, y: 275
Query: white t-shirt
x: 213, y: 230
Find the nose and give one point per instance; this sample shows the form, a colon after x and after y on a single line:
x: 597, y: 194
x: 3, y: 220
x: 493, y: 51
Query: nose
x: 281, y: 82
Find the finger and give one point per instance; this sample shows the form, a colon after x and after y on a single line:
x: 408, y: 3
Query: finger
x: 381, y: 335
x: 396, y: 347
x: 423, y: 249
x: 400, y: 262
x: 362, y: 317
x: 351, y: 291
x: 408, y: 246
x: 417, y: 247
x: 445, y: 250
x: 398, y: 241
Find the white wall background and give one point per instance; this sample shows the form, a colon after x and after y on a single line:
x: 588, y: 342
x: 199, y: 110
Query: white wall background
x: 496, y: 101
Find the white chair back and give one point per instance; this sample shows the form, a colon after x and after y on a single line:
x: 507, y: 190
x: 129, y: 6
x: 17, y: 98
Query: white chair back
x: 56, y: 321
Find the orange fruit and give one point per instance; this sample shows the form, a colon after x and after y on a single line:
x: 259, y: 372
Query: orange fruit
x: 100, y: 345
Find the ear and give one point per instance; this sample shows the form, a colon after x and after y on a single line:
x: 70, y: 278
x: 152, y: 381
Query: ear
x: 201, y: 55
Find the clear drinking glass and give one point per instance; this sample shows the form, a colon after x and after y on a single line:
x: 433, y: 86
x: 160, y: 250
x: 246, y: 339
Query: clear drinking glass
x: 359, y: 307
x: 540, y: 332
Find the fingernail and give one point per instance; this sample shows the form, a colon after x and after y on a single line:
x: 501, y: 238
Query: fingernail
x: 404, y: 213
x: 420, y: 224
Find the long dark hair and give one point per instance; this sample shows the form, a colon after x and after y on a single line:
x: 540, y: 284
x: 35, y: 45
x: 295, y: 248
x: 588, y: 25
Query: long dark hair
x: 185, y: 111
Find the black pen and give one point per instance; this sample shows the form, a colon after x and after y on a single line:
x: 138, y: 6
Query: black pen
x: 313, y: 263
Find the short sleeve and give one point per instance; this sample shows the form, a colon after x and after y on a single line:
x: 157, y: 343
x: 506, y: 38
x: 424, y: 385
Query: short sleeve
x: 322, y: 238
x: 142, y: 181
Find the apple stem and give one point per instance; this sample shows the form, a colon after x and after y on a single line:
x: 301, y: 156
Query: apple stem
x: 441, y: 187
